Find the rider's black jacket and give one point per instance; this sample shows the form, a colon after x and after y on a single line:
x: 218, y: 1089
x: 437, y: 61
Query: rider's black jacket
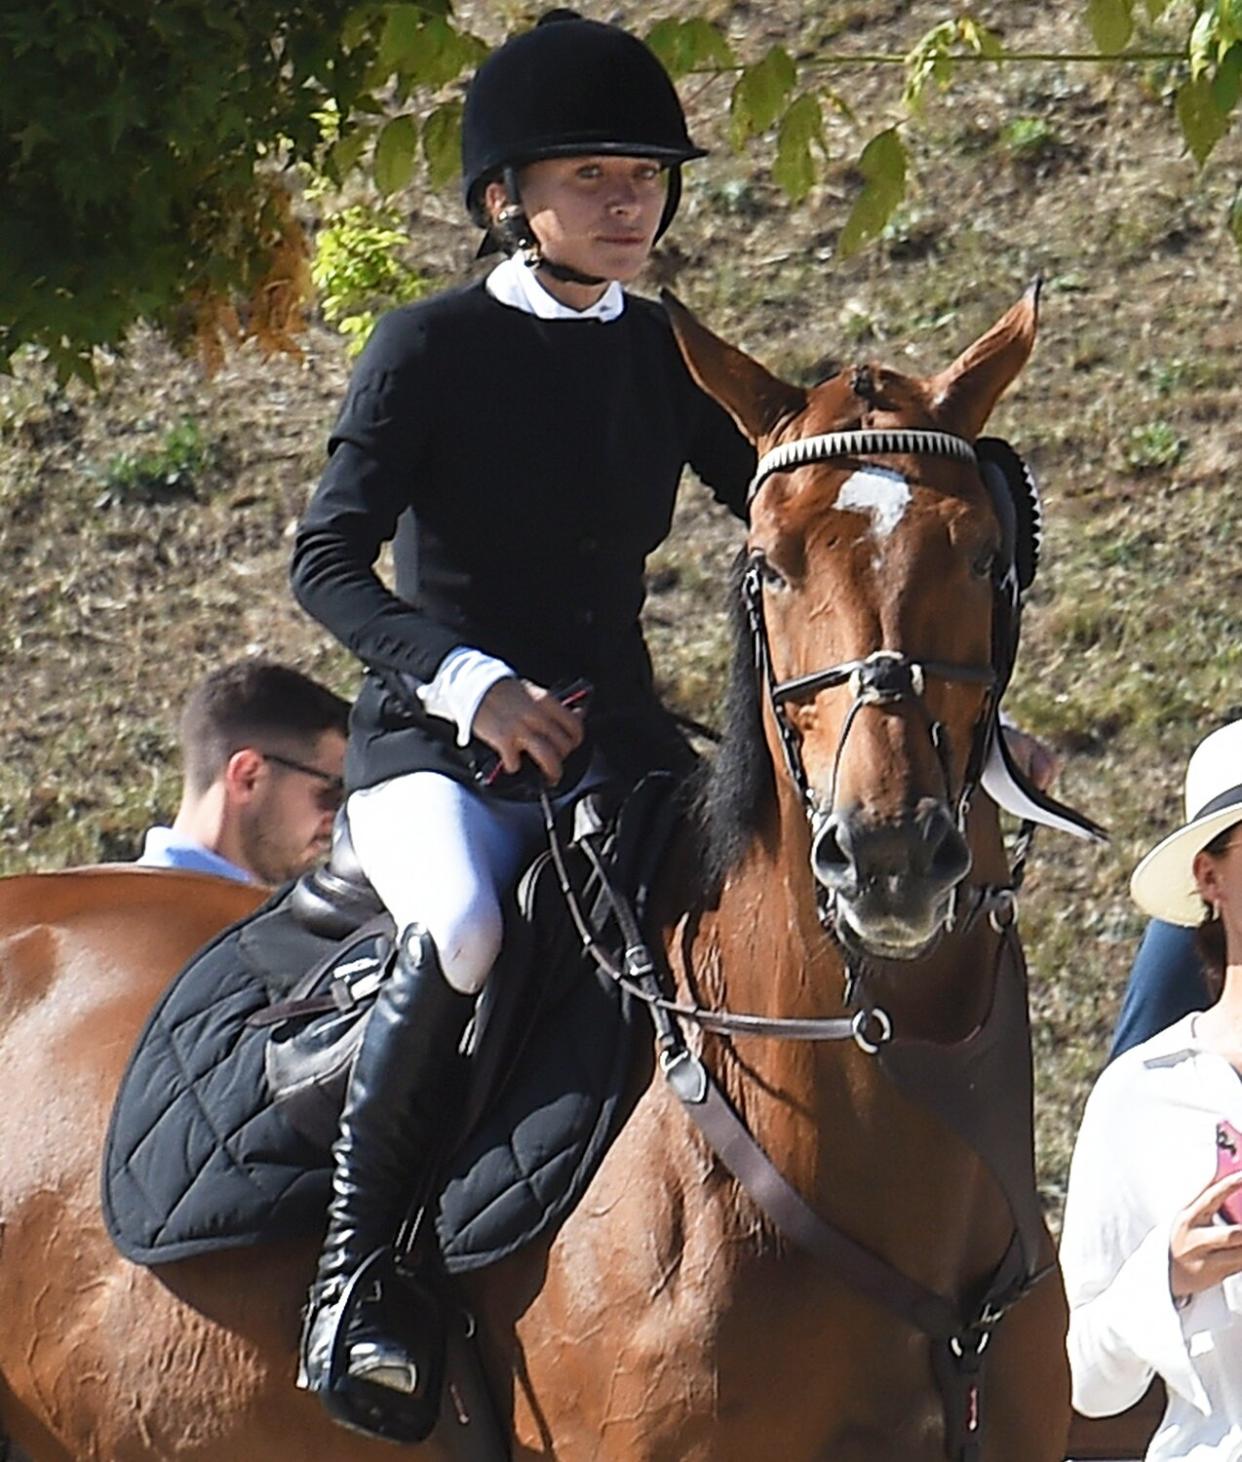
x: 526, y: 467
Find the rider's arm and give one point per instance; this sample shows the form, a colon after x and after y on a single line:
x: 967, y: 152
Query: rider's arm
x: 455, y: 692
x: 376, y: 450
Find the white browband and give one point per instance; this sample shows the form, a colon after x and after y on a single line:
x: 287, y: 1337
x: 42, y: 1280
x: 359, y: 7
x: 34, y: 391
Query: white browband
x: 858, y: 444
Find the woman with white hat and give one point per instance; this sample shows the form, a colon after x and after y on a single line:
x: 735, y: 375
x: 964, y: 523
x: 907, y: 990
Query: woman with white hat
x: 1151, y: 1247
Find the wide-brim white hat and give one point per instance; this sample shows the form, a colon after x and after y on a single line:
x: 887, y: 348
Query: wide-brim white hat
x: 1163, y: 884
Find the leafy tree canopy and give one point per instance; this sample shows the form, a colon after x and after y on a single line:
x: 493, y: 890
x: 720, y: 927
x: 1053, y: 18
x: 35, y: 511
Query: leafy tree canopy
x: 142, y: 145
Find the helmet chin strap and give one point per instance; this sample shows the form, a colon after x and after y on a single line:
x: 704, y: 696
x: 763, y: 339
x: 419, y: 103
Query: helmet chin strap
x: 512, y: 228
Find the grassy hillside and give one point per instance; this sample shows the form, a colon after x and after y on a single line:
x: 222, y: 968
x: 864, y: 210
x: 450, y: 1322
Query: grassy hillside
x: 144, y: 531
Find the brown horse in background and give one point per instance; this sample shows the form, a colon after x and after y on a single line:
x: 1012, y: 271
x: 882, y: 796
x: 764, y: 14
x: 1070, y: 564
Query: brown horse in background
x: 667, y: 1318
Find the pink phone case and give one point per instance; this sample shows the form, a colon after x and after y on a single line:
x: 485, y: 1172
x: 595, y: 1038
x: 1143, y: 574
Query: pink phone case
x: 1229, y: 1160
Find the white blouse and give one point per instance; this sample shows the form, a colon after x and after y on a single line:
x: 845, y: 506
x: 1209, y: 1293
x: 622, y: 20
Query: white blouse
x: 1146, y: 1148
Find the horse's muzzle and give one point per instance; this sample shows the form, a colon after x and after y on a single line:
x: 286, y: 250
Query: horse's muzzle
x: 891, y: 881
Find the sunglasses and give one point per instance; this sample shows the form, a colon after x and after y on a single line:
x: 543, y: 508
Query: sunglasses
x: 330, y: 794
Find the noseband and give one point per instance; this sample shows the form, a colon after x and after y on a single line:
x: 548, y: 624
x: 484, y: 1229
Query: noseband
x: 884, y: 677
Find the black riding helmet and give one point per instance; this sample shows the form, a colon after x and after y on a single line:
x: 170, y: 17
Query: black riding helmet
x: 570, y: 87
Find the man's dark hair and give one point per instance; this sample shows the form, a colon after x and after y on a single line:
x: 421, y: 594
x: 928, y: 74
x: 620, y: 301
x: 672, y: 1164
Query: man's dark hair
x: 255, y: 703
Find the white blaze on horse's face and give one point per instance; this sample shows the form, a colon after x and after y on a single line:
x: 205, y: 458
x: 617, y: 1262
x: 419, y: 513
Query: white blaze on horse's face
x: 879, y: 492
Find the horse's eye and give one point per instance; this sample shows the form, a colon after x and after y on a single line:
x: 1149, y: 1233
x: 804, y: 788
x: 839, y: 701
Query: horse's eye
x: 771, y: 576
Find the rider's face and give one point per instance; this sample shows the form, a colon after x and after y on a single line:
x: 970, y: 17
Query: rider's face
x: 597, y: 214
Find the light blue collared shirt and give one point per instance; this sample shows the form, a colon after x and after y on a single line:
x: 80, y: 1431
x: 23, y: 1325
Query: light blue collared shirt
x: 165, y: 848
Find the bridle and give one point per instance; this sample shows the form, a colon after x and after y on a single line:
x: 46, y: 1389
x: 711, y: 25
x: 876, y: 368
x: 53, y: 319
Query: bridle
x: 885, y: 677
x: 880, y: 678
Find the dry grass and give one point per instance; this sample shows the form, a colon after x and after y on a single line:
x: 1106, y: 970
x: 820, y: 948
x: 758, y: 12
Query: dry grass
x: 116, y: 596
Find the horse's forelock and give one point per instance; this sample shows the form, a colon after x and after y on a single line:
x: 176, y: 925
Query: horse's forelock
x: 737, y: 786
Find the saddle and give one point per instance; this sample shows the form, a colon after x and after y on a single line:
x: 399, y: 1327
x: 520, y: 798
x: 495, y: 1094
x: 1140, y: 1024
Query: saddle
x: 221, y: 1131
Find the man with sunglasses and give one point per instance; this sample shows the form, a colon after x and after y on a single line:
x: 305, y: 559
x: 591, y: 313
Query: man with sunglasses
x: 263, y: 750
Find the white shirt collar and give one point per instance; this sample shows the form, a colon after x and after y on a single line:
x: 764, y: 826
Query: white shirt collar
x: 512, y: 283
x: 1172, y: 1043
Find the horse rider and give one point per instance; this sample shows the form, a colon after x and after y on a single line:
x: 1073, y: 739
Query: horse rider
x: 521, y: 440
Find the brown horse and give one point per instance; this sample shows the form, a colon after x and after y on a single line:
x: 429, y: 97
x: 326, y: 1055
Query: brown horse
x: 669, y: 1318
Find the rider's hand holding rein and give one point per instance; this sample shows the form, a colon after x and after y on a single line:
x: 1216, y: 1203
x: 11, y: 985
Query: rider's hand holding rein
x: 517, y: 717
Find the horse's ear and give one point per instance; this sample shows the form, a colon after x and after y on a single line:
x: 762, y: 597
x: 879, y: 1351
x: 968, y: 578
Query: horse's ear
x: 966, y: 392
x: 757, y: 400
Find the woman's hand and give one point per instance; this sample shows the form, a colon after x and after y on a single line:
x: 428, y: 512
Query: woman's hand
x: 1202, y: 1252
x: 516, y: 718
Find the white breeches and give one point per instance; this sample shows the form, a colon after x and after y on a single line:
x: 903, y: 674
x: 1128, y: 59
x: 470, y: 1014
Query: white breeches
x: 441, y: 855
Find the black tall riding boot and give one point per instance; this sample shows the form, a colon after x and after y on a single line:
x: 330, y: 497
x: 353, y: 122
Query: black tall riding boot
x: 394, y: 1116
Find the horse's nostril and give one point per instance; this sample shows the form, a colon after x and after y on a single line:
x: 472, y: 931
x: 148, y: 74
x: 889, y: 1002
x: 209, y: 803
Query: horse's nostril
x: 832, y: 859
x: 950, y: 853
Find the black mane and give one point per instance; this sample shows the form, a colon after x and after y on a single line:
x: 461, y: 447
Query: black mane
x: 736, y: 787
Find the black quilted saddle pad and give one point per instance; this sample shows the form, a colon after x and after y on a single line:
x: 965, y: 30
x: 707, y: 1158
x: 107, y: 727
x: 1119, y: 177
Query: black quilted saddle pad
x: 198, y: 1158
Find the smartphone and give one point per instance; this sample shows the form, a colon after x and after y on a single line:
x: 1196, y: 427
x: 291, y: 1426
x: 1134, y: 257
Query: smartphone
x: 1229, y: 1160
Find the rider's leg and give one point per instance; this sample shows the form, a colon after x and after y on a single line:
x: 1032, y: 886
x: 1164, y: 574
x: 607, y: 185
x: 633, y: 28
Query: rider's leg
x: 393, y: 1108
x: 441, y: 855
x: 438, y: 856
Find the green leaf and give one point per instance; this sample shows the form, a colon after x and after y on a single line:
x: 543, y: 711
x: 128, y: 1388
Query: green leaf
x: 1235, y: 219
x: 689, y: 45
x: 346, y: 152
x: 1156, y: 8
x: 759, y: 95
x: 980, y: 39
x: 929, y: 58
x: 1204, y: 41
x: 395, y: 151
x: 664, y: 38
x: 401, y: 41
x: 443, y: 53
x: 1202, y: 122
x: 1111, y: 23
x: 356, y: 26
x: 706, y: 44
x: 1228, y: 80
x: 442, y: 144
x: 883, y: 166
x: 802, y: 124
